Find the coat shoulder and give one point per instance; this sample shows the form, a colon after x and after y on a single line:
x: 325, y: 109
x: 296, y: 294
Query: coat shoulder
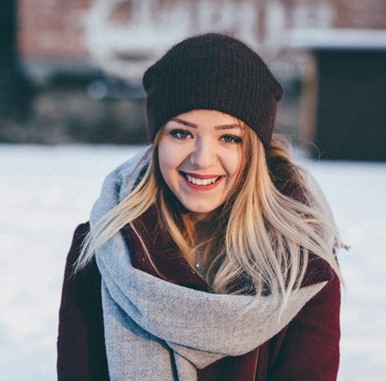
x: 80, y: 345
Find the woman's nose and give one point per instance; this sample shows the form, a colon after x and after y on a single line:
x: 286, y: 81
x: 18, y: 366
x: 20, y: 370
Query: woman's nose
x: 203, y: 156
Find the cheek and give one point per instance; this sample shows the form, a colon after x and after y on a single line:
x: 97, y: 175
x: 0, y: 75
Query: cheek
x: 164, y: 161
x: 164, y: 151
x: 170, y: 154
x: 169, y: 160
x: 233, y: 164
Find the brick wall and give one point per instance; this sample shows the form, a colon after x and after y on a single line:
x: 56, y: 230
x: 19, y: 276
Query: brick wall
x: 51, y: 28
x: 360, y: 14
x: 346, y: 13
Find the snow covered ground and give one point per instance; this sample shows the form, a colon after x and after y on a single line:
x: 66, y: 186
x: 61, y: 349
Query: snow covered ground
x: 46, y: 191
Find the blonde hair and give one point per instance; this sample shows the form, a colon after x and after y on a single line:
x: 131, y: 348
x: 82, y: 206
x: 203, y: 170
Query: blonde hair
x: 264, y: 235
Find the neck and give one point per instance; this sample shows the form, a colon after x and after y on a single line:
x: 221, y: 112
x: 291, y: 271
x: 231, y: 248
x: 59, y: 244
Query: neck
x: 203, y: 225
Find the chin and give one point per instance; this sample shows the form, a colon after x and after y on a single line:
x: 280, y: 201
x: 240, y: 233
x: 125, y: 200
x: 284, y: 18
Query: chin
x: 200, y: 213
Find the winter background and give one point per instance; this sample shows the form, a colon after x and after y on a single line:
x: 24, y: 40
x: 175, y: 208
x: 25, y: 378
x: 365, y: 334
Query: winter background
x: 45, y: 191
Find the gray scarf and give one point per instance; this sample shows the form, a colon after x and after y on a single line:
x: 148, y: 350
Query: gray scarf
x: 157, y: 330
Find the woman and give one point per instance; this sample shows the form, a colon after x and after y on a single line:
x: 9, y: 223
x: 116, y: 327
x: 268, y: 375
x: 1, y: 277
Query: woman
x: 211, y: 255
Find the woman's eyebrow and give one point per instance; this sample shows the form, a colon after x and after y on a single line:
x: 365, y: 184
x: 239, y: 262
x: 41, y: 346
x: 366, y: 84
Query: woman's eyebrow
x: 184, y: 122
x: 193, y: 125
x: 227, y: 126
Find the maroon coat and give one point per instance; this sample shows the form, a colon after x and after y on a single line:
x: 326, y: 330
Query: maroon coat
x: 307, y: 349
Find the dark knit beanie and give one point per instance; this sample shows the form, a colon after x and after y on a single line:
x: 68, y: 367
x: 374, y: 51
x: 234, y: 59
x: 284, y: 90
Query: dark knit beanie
x: 212, y: 72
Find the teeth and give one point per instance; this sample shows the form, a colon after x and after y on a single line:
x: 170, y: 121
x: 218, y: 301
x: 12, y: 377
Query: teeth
x: 196, y: 181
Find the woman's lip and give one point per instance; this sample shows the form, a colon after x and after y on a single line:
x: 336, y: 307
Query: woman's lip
x: 196, y: 187
x: 200, y: 187
x: 202, y: 177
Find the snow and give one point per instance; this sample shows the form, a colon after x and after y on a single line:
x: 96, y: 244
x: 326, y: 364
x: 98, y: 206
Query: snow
x: 46, y: 191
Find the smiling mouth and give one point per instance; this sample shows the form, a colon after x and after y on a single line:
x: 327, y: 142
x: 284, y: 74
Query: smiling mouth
x: 200, y: 182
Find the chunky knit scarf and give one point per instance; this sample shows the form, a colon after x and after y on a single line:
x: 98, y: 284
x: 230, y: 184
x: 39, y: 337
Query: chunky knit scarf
x: 157, y: 330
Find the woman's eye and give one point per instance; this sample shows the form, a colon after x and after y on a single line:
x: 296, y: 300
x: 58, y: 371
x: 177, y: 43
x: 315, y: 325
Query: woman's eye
x: 231, y: 139
x: 180, y: 134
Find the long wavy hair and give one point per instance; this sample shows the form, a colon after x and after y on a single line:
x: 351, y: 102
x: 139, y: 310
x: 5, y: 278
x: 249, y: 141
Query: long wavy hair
x: 262, y: 238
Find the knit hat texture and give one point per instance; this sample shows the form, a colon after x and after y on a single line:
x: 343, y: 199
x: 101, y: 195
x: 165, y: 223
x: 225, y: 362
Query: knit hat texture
x: 212, y: 72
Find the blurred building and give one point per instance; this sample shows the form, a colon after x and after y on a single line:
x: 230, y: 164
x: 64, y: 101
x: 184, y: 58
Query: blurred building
x: 51, y: 30
x: 57, y: 30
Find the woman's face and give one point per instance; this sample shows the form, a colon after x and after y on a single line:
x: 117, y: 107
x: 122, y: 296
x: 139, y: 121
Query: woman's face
x: 200, y: 154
